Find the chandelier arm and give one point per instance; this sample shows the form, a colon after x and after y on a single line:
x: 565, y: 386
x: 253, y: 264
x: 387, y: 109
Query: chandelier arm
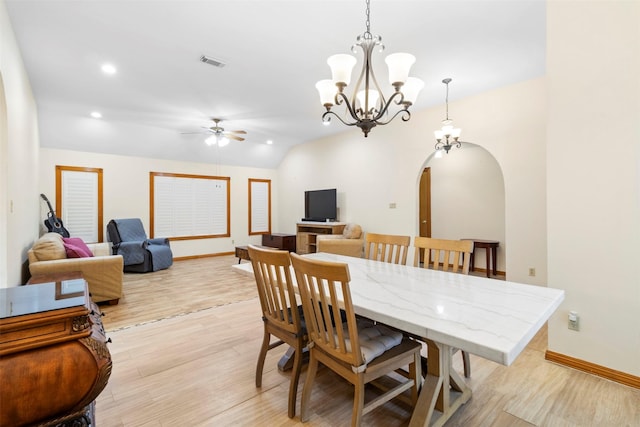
x: 339, y: 100
x: 386, y: 106
x: 326, y: 117
x: 367, y: 74
x: 406, y: 115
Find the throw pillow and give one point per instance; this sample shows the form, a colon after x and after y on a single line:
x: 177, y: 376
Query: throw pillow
x: 76, y: 248
x: 352, y: 231
x: 49, y: 247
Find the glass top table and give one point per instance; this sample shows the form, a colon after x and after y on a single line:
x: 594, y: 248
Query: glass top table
x: 31, y: 299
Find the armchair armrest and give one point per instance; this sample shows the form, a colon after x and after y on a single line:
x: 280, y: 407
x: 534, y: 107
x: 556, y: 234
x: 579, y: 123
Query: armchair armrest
x: 102, y: 273
x: 348, y: 247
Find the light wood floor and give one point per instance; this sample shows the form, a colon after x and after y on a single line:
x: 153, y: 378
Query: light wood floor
x: 196, y: 367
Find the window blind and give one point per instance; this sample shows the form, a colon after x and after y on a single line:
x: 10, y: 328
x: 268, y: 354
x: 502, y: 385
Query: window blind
x: 188, y: 206
x: 80, y: 204
x: 259, y: 206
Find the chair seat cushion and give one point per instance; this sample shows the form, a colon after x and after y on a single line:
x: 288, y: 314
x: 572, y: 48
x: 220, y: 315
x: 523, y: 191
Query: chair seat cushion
x: 375, y: 339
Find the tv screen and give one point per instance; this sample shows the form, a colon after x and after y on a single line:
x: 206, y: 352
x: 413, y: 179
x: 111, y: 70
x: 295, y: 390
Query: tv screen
x: 320, y: 205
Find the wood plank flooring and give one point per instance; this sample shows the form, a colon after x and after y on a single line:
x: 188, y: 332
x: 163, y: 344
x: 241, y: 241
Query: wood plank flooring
x: 187, y: 358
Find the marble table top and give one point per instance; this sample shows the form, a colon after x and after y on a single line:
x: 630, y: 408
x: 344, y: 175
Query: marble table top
x: 494, y: 319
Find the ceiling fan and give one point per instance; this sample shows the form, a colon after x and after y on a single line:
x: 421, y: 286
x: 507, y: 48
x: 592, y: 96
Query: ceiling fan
x: 220, y: 136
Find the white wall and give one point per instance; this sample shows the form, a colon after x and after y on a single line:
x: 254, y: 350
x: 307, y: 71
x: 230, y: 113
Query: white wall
x: 18, y: 159
x: 126, y: 192
x: 593, y: 72
x: 385, y: 167
x: 467, y: 199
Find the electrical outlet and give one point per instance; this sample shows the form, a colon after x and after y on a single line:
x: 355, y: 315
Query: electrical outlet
x: 233, y: 242
x: 532, y: 272
x: 574, y: 321
x: 392, y: 205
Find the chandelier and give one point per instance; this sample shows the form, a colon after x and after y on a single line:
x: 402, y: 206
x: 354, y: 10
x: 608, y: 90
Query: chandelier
x: 448, y: 132
x: 368, y: 106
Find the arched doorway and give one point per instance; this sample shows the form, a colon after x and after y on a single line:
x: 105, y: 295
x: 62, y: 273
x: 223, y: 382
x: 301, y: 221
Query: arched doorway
x: 463, y: 195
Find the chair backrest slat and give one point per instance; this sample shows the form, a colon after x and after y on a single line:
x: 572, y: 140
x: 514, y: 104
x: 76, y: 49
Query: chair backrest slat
x: 324, y: 289
x: 387, y: 248
x: 272, y: 271
x: 437, y: 254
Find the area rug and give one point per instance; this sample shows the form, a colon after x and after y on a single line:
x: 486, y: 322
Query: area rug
x: 186, y: 287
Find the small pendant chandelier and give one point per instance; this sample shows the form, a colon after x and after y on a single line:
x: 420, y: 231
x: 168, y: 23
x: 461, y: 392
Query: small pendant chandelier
x: 368, y: 106
x: 448, y: 131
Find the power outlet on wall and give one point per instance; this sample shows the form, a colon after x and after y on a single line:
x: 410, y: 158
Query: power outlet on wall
x: 574, y: 321
x: 532, y: 271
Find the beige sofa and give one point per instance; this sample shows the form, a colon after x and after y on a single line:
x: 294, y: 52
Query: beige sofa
x: 349, y: 243
x: 103, y: 271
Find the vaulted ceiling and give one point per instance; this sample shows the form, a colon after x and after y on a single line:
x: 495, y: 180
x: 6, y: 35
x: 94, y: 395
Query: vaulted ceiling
x: 274, y: 53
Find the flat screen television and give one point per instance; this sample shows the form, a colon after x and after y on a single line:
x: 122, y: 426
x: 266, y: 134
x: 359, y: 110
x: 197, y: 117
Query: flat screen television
x: 320, y: 205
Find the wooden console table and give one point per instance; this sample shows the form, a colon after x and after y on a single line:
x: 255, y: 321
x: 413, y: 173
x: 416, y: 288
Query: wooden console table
x: 309, y: 230
x: 491, y: 249
x: 54, y: 359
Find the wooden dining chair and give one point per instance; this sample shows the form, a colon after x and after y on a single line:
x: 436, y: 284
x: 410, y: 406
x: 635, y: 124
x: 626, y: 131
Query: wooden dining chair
x: 445, y: 255
x: 441, y: 254
x: 358, y: 351
x: 387, y: 248
x: 281, y: 315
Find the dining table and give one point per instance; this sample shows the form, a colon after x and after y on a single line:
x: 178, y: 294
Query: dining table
x: 492, y: 319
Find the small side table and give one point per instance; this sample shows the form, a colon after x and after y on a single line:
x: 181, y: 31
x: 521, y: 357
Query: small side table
x: 491, y: 249
x: 242, y: 252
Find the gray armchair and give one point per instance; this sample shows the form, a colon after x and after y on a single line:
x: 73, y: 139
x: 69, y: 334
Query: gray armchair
x: 140, y: 254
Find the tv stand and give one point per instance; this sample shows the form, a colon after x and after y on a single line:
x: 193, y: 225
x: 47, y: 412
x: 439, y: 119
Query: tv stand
x: 307, y: 232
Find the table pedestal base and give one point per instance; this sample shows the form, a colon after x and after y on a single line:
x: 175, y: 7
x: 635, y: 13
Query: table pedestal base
x: 443, y: 391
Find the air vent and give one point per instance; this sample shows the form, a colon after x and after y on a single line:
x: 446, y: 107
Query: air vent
x: 212, y: 61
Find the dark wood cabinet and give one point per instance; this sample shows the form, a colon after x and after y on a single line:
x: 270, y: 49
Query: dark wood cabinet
x: 280, y: 241
x: 54, y: 359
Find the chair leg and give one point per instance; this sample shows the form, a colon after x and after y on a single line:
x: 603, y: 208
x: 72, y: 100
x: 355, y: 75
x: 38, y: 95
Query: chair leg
x: 312, y: 370
x: 415, y: 372
x: 358, y: 402
x: 466, y: 363
x: 263, y: 354
x: 295, y: 376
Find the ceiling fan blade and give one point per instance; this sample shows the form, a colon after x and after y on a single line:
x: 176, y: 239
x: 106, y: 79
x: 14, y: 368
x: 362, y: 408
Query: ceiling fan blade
x: 237, y: 131
x: 237, y: 138
x: 191, y: 133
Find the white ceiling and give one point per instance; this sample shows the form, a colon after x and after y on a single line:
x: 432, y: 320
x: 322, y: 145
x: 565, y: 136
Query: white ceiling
x: 275, y: 51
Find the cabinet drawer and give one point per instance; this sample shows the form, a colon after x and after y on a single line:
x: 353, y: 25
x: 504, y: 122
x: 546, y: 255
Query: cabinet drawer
x: 280, y: 241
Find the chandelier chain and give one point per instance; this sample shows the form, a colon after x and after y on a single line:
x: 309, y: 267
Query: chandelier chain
x: 446, y: 100
x: 368, y: 21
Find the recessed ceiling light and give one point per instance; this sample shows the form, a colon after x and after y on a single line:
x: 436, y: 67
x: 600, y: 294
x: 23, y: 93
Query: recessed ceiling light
x: 269, y: 142
x: 108, y: 69
x: 96, y: 115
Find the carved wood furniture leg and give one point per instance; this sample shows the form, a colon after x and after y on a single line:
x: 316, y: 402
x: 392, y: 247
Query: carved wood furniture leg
x: 286, y: 361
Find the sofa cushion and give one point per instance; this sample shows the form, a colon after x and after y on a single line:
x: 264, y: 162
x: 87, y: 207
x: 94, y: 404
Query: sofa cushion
x: 76, y: 248
x: 49, y: 247
x: 352, y: 231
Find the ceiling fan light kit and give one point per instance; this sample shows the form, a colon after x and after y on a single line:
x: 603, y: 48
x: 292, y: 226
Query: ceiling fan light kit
x: 368, y: 106
x: 220, y: 137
